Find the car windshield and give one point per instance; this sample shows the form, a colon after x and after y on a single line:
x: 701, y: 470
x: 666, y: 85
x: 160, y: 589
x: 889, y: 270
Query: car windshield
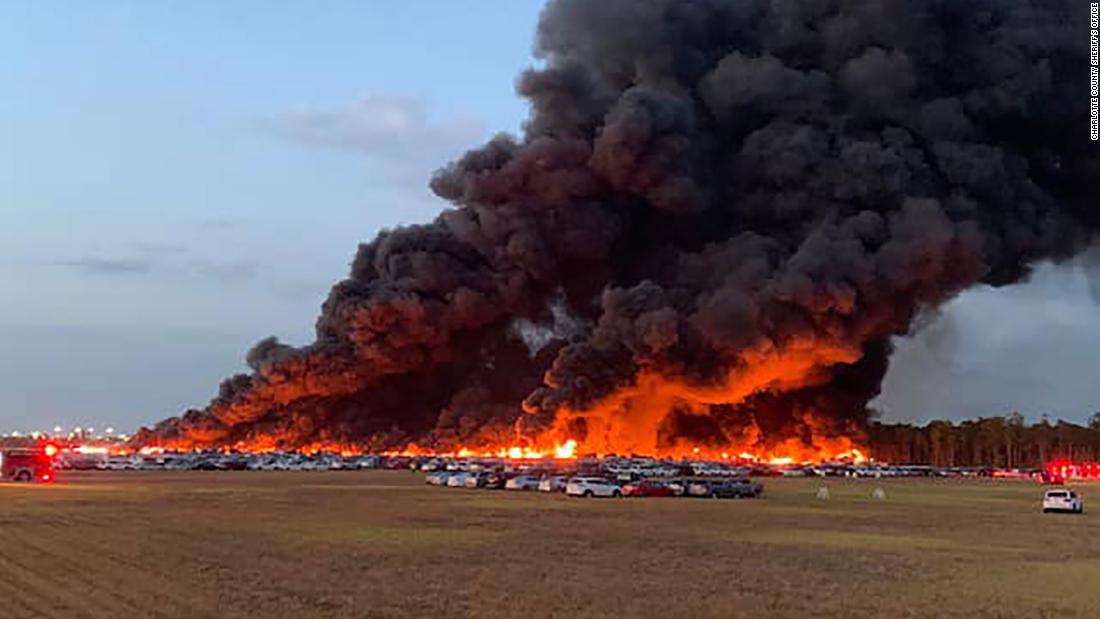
x: 1056, y: 495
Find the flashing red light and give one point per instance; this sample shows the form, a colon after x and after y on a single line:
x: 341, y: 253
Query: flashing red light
x: 46, y: 477
x: 1062, y: 469
x: 51, y: 450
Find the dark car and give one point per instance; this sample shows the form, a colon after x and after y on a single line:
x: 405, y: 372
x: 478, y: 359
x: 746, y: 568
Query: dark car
x: 739, y: 488
x: 235, y: 463
x: 493, y: 481
x: 207, y: 464
x: 724, y: 488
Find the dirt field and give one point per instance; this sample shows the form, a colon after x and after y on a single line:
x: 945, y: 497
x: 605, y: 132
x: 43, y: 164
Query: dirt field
x: 382, y: 544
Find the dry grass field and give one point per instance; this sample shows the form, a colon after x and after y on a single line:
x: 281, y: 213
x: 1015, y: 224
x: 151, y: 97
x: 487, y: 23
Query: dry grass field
x: 382, y: 544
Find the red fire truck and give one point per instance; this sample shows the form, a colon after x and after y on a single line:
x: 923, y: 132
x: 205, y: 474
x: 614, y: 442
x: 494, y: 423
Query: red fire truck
x: 27, y: 464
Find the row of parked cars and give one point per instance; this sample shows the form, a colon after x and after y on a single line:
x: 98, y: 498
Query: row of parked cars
x: 219, y: 461
x: 591, y: 486
x: 620, y: 469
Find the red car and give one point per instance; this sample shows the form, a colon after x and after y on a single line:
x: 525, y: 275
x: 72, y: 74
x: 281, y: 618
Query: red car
x: 648, y: 487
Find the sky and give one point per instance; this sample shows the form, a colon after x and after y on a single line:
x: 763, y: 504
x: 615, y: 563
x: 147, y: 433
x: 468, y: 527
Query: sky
x: 181, y: 179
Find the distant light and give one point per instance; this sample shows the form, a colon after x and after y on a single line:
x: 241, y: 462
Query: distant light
x: 90, y: 430
x: 77, y: 430
x: 110, y: 430
x: 57, y: 429
x: 15, y: 433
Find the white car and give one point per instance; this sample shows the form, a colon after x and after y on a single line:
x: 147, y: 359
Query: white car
x: 437, y: 478
x: 1063, y: 500
x: 589, y: 487
x: 458, y: 480
x: 476, y: 480
x: 522, y: 482
x: 554, y: 483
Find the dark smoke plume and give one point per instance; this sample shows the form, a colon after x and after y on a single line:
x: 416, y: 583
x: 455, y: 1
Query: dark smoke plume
x: 718, y: 215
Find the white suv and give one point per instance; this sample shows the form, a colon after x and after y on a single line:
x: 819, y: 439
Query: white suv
x: 589, y: 487
x: 522, y: 482
x: 1062, y: 500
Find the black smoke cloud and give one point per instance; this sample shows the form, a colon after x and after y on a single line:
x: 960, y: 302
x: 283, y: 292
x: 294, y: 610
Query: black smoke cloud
x: 703, y: 186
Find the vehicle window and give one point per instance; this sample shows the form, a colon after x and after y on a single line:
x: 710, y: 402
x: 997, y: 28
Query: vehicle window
x: 1056, y: 495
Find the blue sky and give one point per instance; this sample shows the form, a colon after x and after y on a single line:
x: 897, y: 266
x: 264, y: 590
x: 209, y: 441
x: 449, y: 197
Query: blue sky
x: 174, y: 182
x: 181, y: 179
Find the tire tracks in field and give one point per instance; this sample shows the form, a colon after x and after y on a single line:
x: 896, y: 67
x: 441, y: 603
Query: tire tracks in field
x: 172, y: 555
x: 74, y: 564
x: 17, y: 608
x: 204, y: 563
x: 55, y: 598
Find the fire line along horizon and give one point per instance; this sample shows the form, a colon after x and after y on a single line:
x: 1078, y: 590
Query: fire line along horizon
x: 27, y: 464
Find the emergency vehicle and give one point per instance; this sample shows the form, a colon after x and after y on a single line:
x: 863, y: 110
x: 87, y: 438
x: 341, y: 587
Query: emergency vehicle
x: 27, y: 464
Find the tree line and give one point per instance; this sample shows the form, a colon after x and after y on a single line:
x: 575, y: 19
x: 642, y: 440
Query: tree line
x: 1006, y: 441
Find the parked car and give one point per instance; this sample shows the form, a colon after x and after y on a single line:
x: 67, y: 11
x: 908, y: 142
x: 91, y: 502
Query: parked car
x: 589, y: 487
x: 458, y: 480
x: 696, y: 487
x: 495, y: 481
x: 736, y: 489
x: 677, y: 486
x: 522, y: 482
x: 1063, y: 500
x: 437, y: 478
x: 723, y: 489
x: 478, y: 480
x: 648, y: 488
x: 553, y: 483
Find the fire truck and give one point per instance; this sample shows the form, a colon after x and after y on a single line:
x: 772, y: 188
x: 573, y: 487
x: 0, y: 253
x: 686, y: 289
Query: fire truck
x: 27, y: 464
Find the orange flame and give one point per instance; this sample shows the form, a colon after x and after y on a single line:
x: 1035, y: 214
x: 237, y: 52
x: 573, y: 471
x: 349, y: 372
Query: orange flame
x: 630, y: 421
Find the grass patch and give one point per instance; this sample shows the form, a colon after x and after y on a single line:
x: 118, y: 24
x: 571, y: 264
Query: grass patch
x: 849, y: 540
x: 390, y: 537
